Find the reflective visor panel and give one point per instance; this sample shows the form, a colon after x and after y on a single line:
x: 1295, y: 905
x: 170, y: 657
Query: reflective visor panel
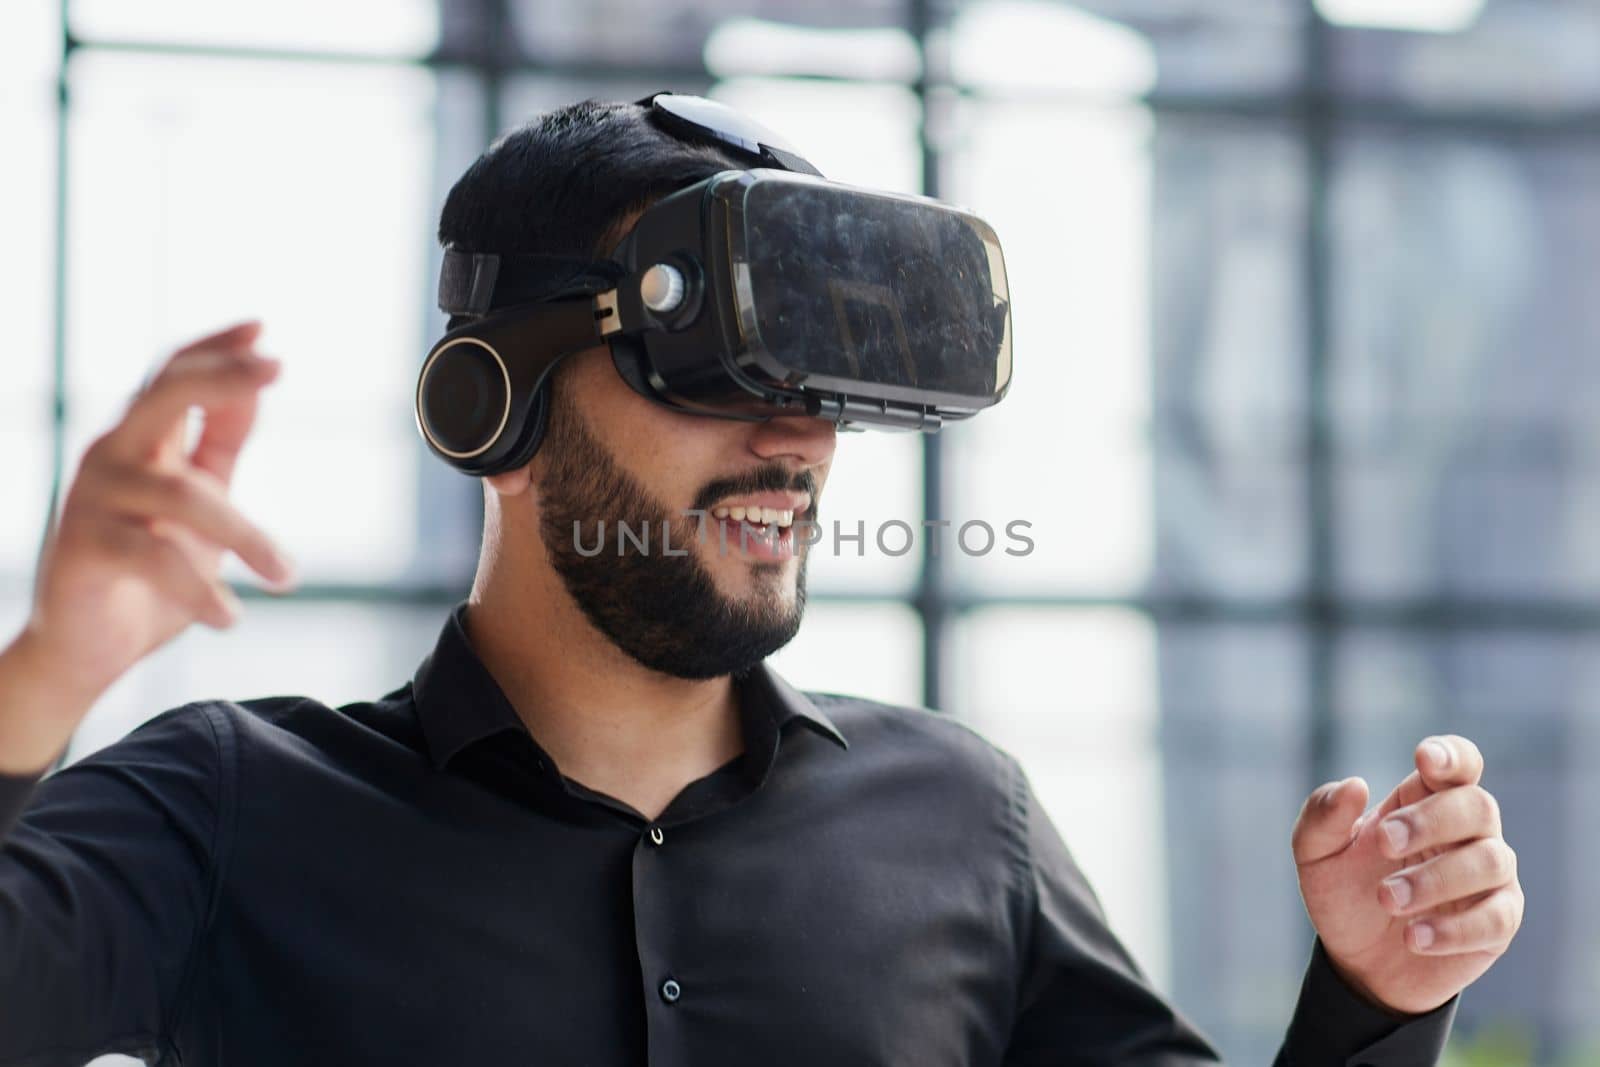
x: 899, y: 295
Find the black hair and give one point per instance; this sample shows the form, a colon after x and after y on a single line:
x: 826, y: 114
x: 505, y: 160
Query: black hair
x: 562, y: 183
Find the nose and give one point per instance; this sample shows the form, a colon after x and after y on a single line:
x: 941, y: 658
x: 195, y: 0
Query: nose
x: 809, y: 439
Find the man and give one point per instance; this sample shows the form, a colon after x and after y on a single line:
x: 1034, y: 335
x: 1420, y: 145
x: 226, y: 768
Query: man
x: 595, y: 827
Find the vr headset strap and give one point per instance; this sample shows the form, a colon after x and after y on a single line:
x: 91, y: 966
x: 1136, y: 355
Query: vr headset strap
x: 471, y: 284
x: 466, y: 282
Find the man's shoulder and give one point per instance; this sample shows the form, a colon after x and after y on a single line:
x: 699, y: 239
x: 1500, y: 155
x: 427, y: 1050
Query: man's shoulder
x: 923, y: 778
x: 281, y: 723
x: 904, y: 721
x: 917, y: 733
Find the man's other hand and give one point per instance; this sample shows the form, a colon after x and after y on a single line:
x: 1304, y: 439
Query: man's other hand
x: 1416, y: 898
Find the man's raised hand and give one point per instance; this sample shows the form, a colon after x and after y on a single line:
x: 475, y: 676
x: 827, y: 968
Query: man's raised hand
x: 135, y: 554
x: 1416, y: 898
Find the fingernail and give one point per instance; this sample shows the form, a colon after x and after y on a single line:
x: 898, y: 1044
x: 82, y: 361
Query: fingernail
x: 1438, y: 755
x: 1423, y: 934
x: 1398, y: 833
x: 1399, y: 890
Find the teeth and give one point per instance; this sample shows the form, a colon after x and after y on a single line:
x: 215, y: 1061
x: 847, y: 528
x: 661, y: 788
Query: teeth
x: 759, y: 516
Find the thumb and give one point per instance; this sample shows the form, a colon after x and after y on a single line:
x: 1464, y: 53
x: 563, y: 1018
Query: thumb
x: 1327, y: 820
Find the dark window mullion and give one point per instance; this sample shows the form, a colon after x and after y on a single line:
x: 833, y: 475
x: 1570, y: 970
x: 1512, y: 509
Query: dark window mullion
x: 1322, y: 629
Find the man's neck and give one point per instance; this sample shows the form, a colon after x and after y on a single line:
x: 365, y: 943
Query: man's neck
x: 608, y: 722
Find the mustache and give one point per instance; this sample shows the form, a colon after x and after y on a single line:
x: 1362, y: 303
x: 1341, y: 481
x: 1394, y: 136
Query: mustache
x: 770, y: 479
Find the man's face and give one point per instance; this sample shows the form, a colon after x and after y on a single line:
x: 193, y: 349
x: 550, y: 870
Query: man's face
x: 712, y: 597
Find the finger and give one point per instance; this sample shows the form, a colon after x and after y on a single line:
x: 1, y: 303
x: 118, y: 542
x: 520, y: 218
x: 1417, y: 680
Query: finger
x: 197, y: 502
x: 1464, y: 813
x: 1462, y: 872
x: 172, y: 571
x: 236, y: 339
x: 1486, y: 926
x: 1462, y: 759
x: 1326, y: 824
x: 1410, y: 790
x: 239, y: 335
x: 227, y: 426
x: 209, y: 378
x: 1447, y: 760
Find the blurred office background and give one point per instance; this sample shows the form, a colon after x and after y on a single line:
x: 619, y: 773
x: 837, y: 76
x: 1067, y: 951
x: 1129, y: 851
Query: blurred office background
x: 1304, y: 412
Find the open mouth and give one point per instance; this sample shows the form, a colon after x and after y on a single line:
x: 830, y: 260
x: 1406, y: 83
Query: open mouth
x: 757, y: 532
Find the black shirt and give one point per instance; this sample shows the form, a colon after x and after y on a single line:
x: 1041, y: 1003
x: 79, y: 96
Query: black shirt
x: 412, y: 881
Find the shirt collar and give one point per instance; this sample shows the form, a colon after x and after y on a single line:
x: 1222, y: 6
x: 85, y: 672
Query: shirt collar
x: 459, y: 702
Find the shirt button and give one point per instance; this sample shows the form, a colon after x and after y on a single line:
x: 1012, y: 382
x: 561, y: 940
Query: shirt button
x: 656, y: 836
x: 671, y: 991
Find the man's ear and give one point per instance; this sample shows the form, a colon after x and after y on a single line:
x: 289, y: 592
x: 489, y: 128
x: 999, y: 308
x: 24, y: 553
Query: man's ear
x: 512, y: 482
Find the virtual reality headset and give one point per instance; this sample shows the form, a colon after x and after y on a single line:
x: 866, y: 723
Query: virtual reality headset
x: 748, y: 295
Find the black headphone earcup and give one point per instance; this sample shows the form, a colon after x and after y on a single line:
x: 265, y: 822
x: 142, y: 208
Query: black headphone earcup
x: 533, y: 429
x: 431, y: 400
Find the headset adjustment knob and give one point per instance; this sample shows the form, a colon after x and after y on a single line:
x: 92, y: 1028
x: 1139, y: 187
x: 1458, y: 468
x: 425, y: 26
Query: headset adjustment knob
x: 662, y: 288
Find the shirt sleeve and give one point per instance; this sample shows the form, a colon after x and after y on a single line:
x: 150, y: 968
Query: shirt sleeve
x: 1084, y: 1000
x: 1335, y: 1027
x: 107, y: 872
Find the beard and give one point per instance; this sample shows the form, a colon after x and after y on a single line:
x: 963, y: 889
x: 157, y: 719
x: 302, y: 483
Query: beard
x: 664, y: 611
